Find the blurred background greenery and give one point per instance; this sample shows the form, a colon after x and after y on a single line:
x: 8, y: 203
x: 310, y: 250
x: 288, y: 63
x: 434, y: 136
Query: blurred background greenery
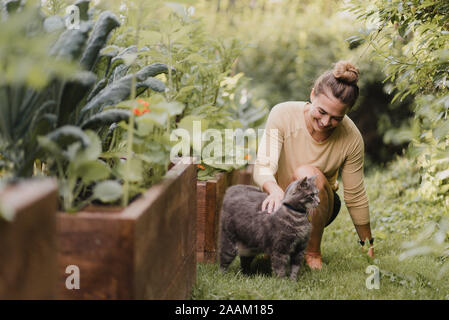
x: 290, y: 43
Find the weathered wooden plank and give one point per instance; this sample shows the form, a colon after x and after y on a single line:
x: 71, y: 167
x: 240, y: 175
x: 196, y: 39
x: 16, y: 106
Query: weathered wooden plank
x: 202, y: 209
x: 28, y: 243
x: 102, y: 249
x: 206, y: 217
x: 166, y: 240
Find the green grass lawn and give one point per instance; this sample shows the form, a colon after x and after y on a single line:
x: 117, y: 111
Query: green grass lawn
x: 344, y: 268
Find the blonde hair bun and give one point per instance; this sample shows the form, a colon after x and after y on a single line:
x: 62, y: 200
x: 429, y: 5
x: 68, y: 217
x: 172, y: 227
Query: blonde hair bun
x: 346, y: 72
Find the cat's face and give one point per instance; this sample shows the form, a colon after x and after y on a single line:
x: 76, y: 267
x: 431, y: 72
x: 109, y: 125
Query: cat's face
x: 303, y: 193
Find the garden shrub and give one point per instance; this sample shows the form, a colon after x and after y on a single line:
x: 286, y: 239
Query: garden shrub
x: 203, y: 80
x: 49, y: 130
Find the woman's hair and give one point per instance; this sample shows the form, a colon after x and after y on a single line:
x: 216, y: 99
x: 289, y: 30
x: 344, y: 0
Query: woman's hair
x: 341, y: 82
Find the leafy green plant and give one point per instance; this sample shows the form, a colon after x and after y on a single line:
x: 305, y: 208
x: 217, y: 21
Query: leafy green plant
x: 151, y: 145
x: 72, y: 100
x: 244, y: 105
x: 49, y: 130
x: 202, y: 62
x: 78, y: 167
x: 24, y: 75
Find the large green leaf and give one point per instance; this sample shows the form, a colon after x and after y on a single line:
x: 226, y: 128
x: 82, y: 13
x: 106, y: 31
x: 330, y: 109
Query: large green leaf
x: 147, y: 123
x: 158, y: 157
x: 83, y: 5
x: 93, y: 171
x: 98, y: 87
x: 150, y: 83
x: 54, y: 24
x: 69, y: 134
x: 152, y: 70
x: 106, y: 118
x: 120, y: 90
x: 74, y: 91
x: 107, y: 191
x: 50, y: 146
x: 135, y: 172
x: 214, y: 163
x: 92, y: 151
x: 188, y: 123
x: 107, y: 55
x: 111, y: 95
x: 117, y: 61
x: 72, y: 153
x: 174, y: 108
x: 31, y: 119
x: 106, y: 22
x: 71, y: 42
x: 145, y: 126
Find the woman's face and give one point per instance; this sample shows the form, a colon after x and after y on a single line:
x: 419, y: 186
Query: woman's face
x: 326, y: 112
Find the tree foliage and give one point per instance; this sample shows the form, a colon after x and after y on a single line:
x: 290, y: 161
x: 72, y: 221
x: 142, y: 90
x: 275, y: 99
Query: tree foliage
x: 411, y: 38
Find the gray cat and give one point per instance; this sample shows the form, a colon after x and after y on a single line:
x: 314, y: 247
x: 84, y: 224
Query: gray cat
x: 283, y: 234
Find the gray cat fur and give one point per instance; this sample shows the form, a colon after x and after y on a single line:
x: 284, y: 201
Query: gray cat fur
x: 283, y: 234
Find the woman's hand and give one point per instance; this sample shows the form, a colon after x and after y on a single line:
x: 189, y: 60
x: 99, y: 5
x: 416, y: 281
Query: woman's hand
x: 371, y: 252
x: 275, y: 196
x: 364, y: 232
x: 272, y: 202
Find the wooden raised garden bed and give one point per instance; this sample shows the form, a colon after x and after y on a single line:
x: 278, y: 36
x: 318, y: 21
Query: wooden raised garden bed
x: 28, y: 250
x: 210, y: 195
x: 145, y: 251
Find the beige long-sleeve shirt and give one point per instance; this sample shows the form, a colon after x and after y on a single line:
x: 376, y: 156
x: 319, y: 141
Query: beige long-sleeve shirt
x: 287, y: 144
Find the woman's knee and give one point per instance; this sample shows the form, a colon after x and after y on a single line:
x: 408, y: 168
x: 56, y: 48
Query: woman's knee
x: 310, y: 171
x: 325, y: 191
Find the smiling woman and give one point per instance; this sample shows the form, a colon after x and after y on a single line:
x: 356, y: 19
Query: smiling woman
x: 318, y: 138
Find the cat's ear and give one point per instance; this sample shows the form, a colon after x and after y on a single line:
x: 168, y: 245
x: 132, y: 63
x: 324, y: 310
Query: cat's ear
x: 302, y: 181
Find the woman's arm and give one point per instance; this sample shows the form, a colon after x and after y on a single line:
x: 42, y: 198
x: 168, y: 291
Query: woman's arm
x: 354, y: 191
x: 364, y: 231
x: 267, y: 159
